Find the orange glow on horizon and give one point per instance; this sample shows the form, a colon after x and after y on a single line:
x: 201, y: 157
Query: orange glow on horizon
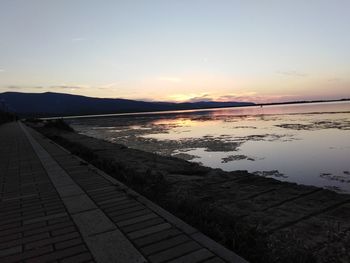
x: 200, y: 87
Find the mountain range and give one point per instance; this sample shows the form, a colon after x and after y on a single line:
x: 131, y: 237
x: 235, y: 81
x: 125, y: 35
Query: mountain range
x: 51, y: 104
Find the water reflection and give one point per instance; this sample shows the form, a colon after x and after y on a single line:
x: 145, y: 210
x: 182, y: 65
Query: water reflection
x: 307, y: 143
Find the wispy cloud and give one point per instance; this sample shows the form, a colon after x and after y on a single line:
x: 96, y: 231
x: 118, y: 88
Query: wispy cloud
x: 197, y: 97
x: 66, y: 87
x: 203, y: 97
x: 2, y: 70
x: 190, y: 97
x: 78, y: 39
x: 292, y: 73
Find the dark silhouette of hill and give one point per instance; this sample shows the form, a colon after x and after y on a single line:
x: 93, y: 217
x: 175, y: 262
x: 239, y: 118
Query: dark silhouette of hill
x: 51, y: 104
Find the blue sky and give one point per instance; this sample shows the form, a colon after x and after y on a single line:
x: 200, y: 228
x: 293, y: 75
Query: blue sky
x: 177, y: 50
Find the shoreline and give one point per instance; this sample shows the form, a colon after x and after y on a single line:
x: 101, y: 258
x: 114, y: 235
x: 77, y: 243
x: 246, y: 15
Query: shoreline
x: 190, y: 110
x: 229, y: 142
x: 262, y: 219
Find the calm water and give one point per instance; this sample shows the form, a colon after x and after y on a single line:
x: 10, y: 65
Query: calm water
x: 302, y: 143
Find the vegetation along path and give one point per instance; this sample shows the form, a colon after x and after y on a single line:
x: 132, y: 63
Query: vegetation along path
x: 262, y: 219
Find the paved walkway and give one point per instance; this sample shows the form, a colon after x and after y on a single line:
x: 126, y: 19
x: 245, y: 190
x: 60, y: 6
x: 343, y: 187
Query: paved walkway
x: 54, y: 207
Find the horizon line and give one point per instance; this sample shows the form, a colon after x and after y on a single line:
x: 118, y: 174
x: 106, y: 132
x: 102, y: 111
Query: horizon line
x: 189, y: 101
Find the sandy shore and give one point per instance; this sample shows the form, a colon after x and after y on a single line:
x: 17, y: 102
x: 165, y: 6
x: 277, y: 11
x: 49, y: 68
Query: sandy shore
x: 262, y: 219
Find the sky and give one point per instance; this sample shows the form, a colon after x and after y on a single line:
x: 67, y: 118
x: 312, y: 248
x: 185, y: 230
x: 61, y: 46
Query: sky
x: 178, y: 50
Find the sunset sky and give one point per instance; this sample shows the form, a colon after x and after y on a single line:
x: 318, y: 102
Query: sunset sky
x: 178, y: 50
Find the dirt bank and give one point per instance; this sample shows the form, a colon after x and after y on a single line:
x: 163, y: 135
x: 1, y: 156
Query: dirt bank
x: 262, y: 219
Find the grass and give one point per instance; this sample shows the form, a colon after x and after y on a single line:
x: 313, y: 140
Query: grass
x: 248, y: 241
x: 58, y: 124
x: 151, y: 183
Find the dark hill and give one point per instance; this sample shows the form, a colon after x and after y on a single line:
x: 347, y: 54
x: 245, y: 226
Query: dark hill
x: 58, y: 104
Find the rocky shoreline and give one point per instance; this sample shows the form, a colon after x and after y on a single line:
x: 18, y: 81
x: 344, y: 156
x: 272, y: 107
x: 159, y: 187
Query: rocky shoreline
x: 262, y: 219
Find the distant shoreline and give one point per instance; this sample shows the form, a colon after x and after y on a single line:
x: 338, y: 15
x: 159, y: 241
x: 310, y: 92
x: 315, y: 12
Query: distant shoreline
x: 192, y: 110
x: 304, y: 102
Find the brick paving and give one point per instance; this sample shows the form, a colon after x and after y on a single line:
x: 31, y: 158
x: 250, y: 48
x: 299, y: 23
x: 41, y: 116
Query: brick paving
x: 34, y: 223
x: 57, y: 208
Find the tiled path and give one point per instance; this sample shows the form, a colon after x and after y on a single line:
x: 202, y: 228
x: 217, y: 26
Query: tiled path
x: 56, y: 208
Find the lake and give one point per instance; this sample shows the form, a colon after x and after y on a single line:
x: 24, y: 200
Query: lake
x: 302, y: 143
